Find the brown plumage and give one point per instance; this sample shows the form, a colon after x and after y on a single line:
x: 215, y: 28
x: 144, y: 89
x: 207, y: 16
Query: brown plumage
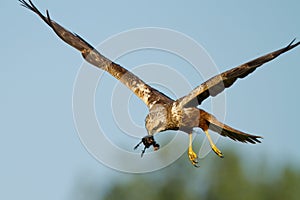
x: 165, y: 113
x: 218, y: 83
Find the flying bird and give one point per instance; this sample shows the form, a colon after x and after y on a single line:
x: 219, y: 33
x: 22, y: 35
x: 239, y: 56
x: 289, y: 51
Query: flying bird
x: 165, y: 113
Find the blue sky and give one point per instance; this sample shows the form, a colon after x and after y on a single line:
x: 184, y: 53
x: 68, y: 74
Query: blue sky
x: 41, y: 153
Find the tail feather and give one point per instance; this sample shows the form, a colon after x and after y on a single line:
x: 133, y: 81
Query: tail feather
x: 232, y: 133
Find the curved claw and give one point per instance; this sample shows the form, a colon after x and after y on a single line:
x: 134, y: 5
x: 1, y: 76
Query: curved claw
x: 217, y: 151
x: 213, y: 146
x: 193, y: 157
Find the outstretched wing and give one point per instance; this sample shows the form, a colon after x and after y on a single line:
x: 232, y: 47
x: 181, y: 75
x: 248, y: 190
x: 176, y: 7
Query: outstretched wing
x: 148, y: 94
x: 218, y: 83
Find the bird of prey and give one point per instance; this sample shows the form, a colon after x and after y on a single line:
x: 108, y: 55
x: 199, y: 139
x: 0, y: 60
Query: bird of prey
x: 165, y: 113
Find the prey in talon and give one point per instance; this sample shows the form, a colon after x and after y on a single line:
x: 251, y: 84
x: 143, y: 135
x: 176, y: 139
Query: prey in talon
x: 147, y: 141
x: 166, y: 113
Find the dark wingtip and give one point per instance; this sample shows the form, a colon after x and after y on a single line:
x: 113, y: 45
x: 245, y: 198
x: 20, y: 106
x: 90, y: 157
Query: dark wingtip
x: 292, y: 45
x: 34, y: 9
x: 49, y: 22
x: 29, y: 5
x: 292, y: 42
x: 25, y: 4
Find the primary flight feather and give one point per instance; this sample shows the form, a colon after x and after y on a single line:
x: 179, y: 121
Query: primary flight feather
x: 164, y: 112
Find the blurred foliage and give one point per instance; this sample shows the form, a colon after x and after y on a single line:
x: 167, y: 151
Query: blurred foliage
x: 217, y: 179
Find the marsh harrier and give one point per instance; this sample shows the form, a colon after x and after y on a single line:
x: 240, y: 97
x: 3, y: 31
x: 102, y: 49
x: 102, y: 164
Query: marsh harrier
x: 164, y: 112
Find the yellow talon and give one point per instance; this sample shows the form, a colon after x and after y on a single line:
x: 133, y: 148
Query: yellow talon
x: 213, y: 146
x: 192, y: 155
x: 217, y: 151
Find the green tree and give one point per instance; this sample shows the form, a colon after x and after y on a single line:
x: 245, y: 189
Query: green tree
x: 217, y: 179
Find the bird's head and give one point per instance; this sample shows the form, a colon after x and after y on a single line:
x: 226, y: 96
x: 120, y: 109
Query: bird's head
x: 156, y: 121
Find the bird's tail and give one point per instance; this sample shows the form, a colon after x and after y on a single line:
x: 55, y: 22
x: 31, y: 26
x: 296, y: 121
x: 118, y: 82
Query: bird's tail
x: 227, y: 131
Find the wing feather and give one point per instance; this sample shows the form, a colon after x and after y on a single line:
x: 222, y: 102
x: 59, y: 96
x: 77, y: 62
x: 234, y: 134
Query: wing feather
x: 218, y: 83
x: 145, y: 92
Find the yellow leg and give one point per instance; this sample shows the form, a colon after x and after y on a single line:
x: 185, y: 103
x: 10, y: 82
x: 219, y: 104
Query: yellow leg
x: 213, y: 146
x: 192, y: 155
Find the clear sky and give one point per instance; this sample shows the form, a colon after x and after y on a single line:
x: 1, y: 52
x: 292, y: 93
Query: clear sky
x: 41, y: 154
